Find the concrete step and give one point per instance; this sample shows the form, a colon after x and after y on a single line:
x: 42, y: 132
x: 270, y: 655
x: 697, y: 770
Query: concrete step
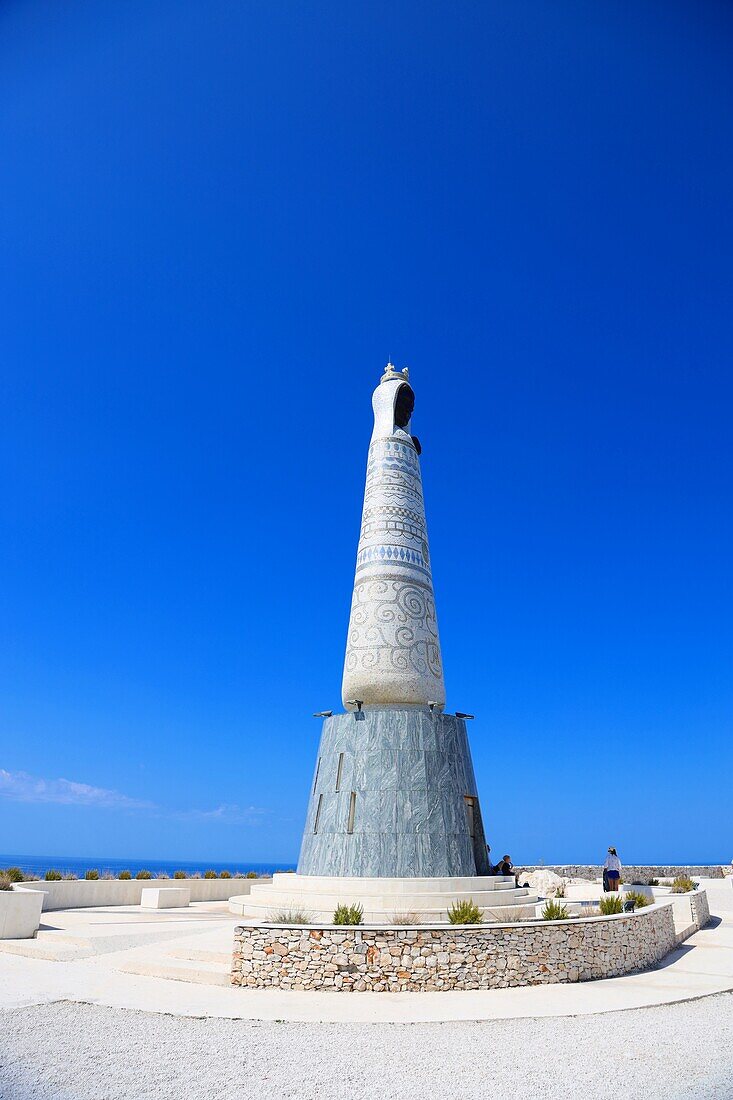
x: 190, y: 954
x: 270, y: 898
x: 49, y: 952
x: 289, y: 880
x: 200, y: 973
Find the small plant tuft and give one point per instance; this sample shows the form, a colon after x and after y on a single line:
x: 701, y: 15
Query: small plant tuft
x: 348, y: 914
x: 610, y: 904
x: 654, y: 882
x: 251, y: 874
x: 70, y: 876
x: 289, y: 916
x: 6, y: 883
x: 143, y: 874
x: 52, y: 876
x: 162, y: 874
x: 210, y: 874
x: 683, y: 884
x: 179, y: 874
x: 406, y: 918
x: 555, y: 910
x: 639, y: 900
x: 91, y: 875
x: 560, y: 890
x: 14, y: 874
x: 124, y: 875
x: 225, y: 874
x: 465, y: 912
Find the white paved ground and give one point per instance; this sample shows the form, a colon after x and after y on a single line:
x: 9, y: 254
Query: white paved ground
x: 82, y: 1052
x: 92, y: 1010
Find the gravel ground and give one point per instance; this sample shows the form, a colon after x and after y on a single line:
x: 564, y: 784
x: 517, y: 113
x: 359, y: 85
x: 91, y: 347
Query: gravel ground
x: 69, y: 1051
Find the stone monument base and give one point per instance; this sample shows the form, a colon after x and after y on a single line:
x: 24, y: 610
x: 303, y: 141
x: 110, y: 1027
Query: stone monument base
x: 383, y: 899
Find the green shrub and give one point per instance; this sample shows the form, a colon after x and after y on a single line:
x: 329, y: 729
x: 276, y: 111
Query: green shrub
x: 560, y: 890
x: 683, y: 884
x: 555, y: 910
x: 654, y: 882
x: 52, y: 876
x: 639, y: 899
x: 348, y: 914
x: 465, y: 912
x: 295, y: 916
x: 143, y: 874
x: 124, y: 875
x: 251, y: 874
x: 14, y: 874
x: 210, y: 874
x: 91, y: 875
x: 179, y: 874
x: 5, y: 881
x: 610, y: 904
x: 225, y: 874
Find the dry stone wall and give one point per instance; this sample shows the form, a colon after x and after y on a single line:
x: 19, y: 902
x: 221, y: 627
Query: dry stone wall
x: 631, y: 871
x: 450, y: 956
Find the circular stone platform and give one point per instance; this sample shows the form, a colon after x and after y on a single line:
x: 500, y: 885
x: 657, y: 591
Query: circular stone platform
x: 384, y: 898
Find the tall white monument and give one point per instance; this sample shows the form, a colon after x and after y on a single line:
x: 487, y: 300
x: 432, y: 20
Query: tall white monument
x: 394, y: 818
x: 392, y: 648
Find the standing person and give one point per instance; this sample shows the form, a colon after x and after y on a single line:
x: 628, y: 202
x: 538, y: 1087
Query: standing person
x: 612, y: 870
x: 492, y: 869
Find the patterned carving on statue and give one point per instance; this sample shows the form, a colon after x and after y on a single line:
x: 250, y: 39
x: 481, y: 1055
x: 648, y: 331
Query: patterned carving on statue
x: 393, y: 650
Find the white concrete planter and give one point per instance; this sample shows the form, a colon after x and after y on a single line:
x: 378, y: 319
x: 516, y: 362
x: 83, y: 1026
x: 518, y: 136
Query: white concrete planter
x: 20, y: 913
x: 83, y: 894
x: 647, y: 891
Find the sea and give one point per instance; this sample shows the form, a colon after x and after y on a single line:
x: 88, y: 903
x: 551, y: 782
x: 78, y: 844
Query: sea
x: 79, y: 865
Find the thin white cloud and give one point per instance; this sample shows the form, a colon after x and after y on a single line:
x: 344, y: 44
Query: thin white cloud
x: 21, y: 787
x: 229, y: 814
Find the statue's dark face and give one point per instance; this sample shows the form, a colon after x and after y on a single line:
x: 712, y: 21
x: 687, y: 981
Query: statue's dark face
x: 403, y: 406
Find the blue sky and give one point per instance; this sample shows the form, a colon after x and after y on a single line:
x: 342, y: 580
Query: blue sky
x: 218, y: 221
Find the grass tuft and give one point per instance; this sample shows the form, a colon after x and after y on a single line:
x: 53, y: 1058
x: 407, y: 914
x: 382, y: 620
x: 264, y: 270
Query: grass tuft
x: 555, y: 910
x: 52, y: 876
x: 610, y: 904
x: 289, y: 916
x: 91, y: 875
x: 348, y: 914
x: 143, y: 874
x: 683, y: 884
x: 406, y: 918
x: 639, y: 899
x: 465, y: 912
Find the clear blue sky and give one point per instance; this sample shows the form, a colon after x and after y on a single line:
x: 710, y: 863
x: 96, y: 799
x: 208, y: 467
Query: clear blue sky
x: 218, y: 220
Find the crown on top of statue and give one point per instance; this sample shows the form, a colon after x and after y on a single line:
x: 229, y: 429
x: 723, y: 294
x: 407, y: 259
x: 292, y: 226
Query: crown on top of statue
x: 390, y: 373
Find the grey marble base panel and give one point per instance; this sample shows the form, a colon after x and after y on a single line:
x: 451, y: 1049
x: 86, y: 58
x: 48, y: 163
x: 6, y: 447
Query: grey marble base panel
x: 409, y: 772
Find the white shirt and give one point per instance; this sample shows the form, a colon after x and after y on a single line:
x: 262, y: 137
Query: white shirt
x: 613, y: 863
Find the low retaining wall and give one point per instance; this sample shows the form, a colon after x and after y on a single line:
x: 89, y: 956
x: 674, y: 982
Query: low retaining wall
x: 450, y: 956
x: 630, y: 871
x: 20, y: 914
x: 83, y: 893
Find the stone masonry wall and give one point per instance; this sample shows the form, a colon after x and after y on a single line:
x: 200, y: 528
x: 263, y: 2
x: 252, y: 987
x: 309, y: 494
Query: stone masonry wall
x: 629, y: 871
x: 700, y: 908
x: 450, y: 956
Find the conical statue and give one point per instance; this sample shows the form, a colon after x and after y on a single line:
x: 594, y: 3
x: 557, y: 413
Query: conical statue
x: 393, y: 793
x: 393, y: 650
